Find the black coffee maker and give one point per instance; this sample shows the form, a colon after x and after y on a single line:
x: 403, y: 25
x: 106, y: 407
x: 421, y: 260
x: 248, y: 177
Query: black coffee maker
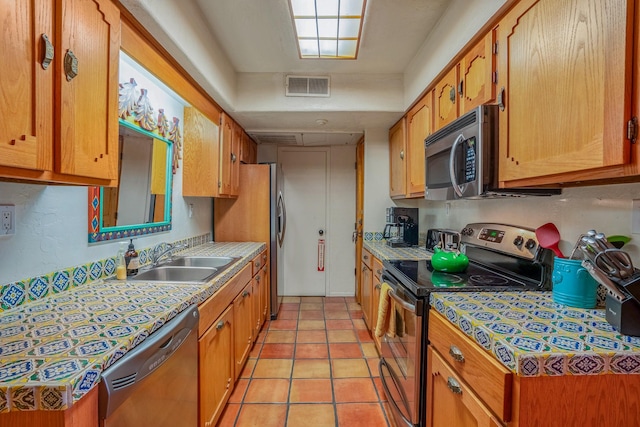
x: 402, y: 227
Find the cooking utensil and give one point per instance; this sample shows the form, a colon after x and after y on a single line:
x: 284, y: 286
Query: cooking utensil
x: 548, y: 237
x: 603, y: 279
x: 618, y: 241
x: 613, y: 262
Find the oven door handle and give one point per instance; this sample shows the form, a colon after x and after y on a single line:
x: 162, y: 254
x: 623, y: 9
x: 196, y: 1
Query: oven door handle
x: 458, y: 189
x: 388, y: 393
x: 402, y: 303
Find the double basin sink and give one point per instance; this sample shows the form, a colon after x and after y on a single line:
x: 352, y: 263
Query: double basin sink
x: 186, y: 269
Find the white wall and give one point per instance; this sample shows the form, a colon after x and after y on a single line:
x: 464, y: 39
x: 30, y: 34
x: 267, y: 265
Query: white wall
x: 52, y: 228
x: 376, y: 178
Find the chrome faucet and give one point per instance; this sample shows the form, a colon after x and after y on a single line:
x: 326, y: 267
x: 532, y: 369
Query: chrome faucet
x: 162, y: 250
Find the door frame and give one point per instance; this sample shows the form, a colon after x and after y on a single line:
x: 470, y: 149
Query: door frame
x: 359, y: 219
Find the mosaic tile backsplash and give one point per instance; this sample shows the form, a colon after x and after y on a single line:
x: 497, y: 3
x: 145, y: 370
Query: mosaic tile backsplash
x: 14, y: 294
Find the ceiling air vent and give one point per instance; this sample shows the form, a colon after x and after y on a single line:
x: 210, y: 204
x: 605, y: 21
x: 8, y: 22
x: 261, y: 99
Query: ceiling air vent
x: 307, y: 86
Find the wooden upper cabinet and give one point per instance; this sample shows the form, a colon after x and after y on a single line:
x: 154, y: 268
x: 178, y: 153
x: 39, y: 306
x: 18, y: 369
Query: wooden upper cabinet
x: 236, y: 148
x: 201, y: 154
x: 59, y: 100
x: 419, y: 124
x: 446, y: 102
x: 477, y: 69
x: 397, y: 163
x: 248, y: 150
x: 566, y: 72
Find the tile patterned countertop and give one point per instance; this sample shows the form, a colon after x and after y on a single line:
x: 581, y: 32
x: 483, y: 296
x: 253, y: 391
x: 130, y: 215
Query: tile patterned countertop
x: 382, y: 251
x: 534, y: 336
x: 53, y: 351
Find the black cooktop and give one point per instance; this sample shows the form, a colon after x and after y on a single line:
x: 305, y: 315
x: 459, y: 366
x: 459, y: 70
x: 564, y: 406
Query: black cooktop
x: 420, y: 278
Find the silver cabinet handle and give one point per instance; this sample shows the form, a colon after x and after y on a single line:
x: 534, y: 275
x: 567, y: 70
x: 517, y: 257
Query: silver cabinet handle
x: 456, y: 353
x: 233, y: 158
x: 220, y: 325
x: 70, y: 65
x: 245, y: 294
x: 454, y: 385
x: 402, y: 154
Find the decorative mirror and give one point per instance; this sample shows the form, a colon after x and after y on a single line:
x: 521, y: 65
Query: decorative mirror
x: 149, y: 141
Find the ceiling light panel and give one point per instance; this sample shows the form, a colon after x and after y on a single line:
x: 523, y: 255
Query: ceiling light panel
x: 328, y: 29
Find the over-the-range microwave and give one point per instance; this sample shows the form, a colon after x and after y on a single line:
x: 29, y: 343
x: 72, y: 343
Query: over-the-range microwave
x: 461, y: 160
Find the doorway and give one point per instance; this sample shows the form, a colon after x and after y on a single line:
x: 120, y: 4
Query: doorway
x: 319, y: 190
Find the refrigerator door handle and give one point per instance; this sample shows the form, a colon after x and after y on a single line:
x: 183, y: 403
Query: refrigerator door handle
x: 282, y: 220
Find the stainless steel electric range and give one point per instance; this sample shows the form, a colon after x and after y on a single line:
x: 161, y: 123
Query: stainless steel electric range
x: 501, y: 258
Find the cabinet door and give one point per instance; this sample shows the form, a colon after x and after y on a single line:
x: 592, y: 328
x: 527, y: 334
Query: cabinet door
x: 26, y: 87
x: 476, y: 75
x: 242, y: 327
x: 236, y: 143
x: 446, y: 99
x: 226, y: 141
x: 87, y: 53
x: 565, y: 70
x: 256, y: 308
x: 201, y: 152
x: 216, y: 366
x: 450, y: 402
x: 367, y: 291
x: 265, y: 293
x: 419, y: 120
x: 397, y: 164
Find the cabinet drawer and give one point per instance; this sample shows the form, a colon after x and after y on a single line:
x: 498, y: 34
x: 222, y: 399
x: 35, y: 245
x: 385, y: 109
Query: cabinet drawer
x: 490, y: 379
x: 367, y: 257
x: 377, y: 268
x: 258, y: 262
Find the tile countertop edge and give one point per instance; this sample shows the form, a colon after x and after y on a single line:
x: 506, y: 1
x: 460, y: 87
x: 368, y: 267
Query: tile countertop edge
x: 382, y: 251
x: 570, y: 341
x: 29, y: 381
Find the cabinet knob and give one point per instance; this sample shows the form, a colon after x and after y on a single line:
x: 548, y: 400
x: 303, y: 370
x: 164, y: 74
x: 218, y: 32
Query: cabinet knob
x: 257, y: 278
x: 452, y: 95
x: 454, y: 385
x: 402, y: 154
x: 456, y: 354
x: 220, y: 325
x: 233, y: 158
x: 245, y: 294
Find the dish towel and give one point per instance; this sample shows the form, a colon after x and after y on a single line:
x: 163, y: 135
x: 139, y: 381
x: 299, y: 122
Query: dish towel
x: 386, y: 318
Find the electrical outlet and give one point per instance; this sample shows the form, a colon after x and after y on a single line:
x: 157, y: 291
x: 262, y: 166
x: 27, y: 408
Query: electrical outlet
x: 7, y: 220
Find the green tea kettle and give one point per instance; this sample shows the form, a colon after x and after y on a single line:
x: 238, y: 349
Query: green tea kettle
x: 449, y: 259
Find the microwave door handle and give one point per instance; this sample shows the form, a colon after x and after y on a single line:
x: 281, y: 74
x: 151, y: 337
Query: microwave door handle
x: 452, y: 162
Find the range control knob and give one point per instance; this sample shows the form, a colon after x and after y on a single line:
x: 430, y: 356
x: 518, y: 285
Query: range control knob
x: 467, y: 231
x: 518, y: 241
x: 531, y: 244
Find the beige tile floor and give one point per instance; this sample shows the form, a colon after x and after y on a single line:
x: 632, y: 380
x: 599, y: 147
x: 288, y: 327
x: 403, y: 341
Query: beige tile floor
x: 315, y: 366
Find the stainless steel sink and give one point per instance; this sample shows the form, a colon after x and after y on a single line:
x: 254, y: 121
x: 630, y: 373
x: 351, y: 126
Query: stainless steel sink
x: 167, y: 273
x: 202, y: 261
x: 187, y: 269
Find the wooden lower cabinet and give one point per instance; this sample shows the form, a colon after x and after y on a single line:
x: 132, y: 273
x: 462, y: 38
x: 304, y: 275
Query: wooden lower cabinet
x: 450, y: 401
x: 366, y: 293
x: 216, y: 368
x: 467, y: 386
x: 375, y: 299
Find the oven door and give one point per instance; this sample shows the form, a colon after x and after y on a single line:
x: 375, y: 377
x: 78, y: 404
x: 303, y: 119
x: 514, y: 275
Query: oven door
x: 401, y: 364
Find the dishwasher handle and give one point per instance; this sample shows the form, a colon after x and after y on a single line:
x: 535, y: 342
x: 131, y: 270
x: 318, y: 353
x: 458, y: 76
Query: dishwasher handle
x: 119, y: 381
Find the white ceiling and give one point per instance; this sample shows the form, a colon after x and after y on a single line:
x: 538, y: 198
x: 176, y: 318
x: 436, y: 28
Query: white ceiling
x: 257, y: 36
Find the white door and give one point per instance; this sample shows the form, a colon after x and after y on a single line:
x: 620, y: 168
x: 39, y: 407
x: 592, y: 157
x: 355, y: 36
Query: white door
x: 305, y: 192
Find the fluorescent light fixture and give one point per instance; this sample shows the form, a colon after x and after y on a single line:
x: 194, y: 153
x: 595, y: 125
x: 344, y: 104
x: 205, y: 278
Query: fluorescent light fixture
x: 328, y: 29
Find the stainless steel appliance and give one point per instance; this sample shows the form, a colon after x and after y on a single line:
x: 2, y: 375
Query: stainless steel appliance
x: 156, y: 383
x: 258, y: 214
x: 461, y: 160
x: 401, y: 229
x: 502, y: 258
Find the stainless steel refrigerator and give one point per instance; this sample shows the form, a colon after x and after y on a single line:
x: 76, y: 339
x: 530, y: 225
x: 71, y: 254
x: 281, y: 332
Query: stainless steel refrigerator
x: 258, y: 214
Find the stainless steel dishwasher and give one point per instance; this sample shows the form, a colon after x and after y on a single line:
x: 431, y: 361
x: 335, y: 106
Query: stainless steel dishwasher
x: 156, y: 383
